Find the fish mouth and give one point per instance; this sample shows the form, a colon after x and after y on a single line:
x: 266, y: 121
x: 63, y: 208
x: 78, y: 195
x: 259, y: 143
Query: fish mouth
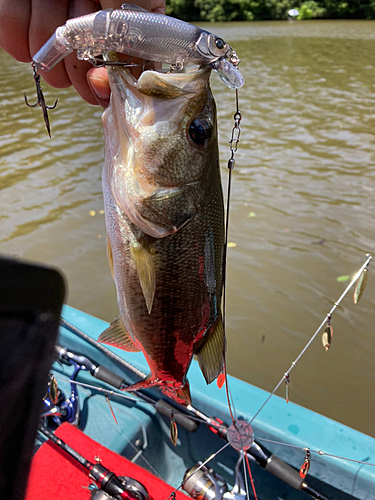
x: 163, y: 83
x: 146, y: 131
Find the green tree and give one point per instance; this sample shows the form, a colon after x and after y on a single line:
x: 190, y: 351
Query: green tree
x: 258, y: 10
x: 311, y: 10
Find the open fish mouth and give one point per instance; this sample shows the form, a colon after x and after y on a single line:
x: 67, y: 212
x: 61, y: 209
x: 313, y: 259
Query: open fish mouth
x: 149, y: 114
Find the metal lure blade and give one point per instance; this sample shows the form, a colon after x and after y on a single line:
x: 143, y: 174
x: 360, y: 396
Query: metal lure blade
x: 173, y: 432
x: 360, y: 287
x: 327, y: 337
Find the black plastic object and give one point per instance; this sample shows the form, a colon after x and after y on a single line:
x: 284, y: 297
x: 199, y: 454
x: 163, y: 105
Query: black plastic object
x: 31, y: 299
x: 284, y: 471
x: 105, y: 375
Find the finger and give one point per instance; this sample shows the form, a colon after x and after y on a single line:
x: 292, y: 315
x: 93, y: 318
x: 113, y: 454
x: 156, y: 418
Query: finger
x: 98, y: 82
x: 45, y: 18
x: 14, y: 28
x: 75, y: 68
x: 116, y: 4
x: 158, y: 6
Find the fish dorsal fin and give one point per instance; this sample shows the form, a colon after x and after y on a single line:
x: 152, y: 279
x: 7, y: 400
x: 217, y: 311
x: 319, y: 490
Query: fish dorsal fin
x: 211, y: 354
x: 145, y: 266
x: 117, y: 336
x: 110, y: 258
x: 130, y: 6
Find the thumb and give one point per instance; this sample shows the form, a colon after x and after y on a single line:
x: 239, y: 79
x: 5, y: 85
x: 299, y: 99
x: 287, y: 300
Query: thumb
x: 97, y: 79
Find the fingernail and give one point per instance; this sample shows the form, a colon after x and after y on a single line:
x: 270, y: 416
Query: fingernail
x: 100, y: 89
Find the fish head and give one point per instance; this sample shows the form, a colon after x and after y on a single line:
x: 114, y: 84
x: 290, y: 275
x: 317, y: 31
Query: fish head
x: 161, y: 140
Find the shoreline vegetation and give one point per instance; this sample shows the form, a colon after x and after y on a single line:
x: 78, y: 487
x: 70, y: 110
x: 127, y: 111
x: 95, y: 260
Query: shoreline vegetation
x: 267, y: 10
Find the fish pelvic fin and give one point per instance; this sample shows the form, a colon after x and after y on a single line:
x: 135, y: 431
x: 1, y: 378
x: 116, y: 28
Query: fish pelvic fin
x: 210, y: 354
x: 117, y: 336
x: 145, y: 266
x: 177, y: 392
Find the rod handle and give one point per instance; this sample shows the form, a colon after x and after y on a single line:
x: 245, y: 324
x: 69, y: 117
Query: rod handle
x: 105, y: 375
x: 186, y: 422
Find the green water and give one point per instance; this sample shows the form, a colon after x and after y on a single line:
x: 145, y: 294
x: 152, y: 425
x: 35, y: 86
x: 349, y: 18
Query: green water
x: 302, y: 211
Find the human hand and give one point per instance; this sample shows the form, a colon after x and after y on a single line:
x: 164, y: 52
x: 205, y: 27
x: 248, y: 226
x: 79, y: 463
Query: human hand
x: 25, y: 25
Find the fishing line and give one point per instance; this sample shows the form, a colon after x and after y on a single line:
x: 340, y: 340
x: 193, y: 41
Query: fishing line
x: 245, y: 475
x: 235, y: 138
x: 318, y: 452
x: 251, y: 476
x: 129, y: 398
x: 156, y: 405
x: 285, y: 378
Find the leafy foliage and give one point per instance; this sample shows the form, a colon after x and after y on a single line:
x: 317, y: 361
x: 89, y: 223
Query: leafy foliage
x: 259, y: 10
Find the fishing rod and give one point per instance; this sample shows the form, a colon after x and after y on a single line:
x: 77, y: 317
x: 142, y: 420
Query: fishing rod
x: 118, y: 487
x: 256, y: 452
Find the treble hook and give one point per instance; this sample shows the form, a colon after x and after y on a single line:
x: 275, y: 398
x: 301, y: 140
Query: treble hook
x: 40, y: 101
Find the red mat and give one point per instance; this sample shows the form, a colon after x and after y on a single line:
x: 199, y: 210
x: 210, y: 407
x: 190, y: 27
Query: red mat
x: 56, y: 476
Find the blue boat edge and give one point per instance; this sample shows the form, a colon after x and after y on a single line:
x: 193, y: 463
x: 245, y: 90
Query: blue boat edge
x: 278, y: 422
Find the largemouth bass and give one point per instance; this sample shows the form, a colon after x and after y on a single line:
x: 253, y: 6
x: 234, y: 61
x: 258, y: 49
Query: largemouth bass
x: 165, y: 224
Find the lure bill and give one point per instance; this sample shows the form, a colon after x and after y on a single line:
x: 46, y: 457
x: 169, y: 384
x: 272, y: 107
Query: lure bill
x: 139, y: 33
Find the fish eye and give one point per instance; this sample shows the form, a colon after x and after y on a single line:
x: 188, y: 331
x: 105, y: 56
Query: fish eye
x: 219, y: 42
x: 200, y: 131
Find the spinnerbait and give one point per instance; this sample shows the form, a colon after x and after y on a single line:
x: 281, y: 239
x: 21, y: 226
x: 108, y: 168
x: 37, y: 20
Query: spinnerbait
x: 139, y: 33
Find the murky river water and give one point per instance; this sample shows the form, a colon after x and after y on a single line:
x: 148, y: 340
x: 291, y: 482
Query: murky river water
x: 302, y: 211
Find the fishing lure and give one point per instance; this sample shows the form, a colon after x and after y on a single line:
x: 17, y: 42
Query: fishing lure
x: 327, y: 334
x: 134, y: 31
x: 360, y: 288
x: 173, y: 430
x: 305, y: 467
x: 287, y: 382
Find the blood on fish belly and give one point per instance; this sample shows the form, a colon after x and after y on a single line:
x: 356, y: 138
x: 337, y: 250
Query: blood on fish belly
x: 165, y: 244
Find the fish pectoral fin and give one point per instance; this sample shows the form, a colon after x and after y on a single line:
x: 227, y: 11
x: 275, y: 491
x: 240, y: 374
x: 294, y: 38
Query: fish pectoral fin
x: 210, y: 355
x: 145, y: 266
x: 117, y: 336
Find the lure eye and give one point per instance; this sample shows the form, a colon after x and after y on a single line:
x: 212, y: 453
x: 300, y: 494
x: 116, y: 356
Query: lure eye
x: 200, y: 131
x: 219, y: 42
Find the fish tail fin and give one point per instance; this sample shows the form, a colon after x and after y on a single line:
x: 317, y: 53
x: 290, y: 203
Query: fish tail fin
x: 179, y: 393
x: 210, y: 354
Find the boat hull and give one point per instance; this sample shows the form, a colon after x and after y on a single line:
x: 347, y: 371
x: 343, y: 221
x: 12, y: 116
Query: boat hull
x: 143, y: 435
